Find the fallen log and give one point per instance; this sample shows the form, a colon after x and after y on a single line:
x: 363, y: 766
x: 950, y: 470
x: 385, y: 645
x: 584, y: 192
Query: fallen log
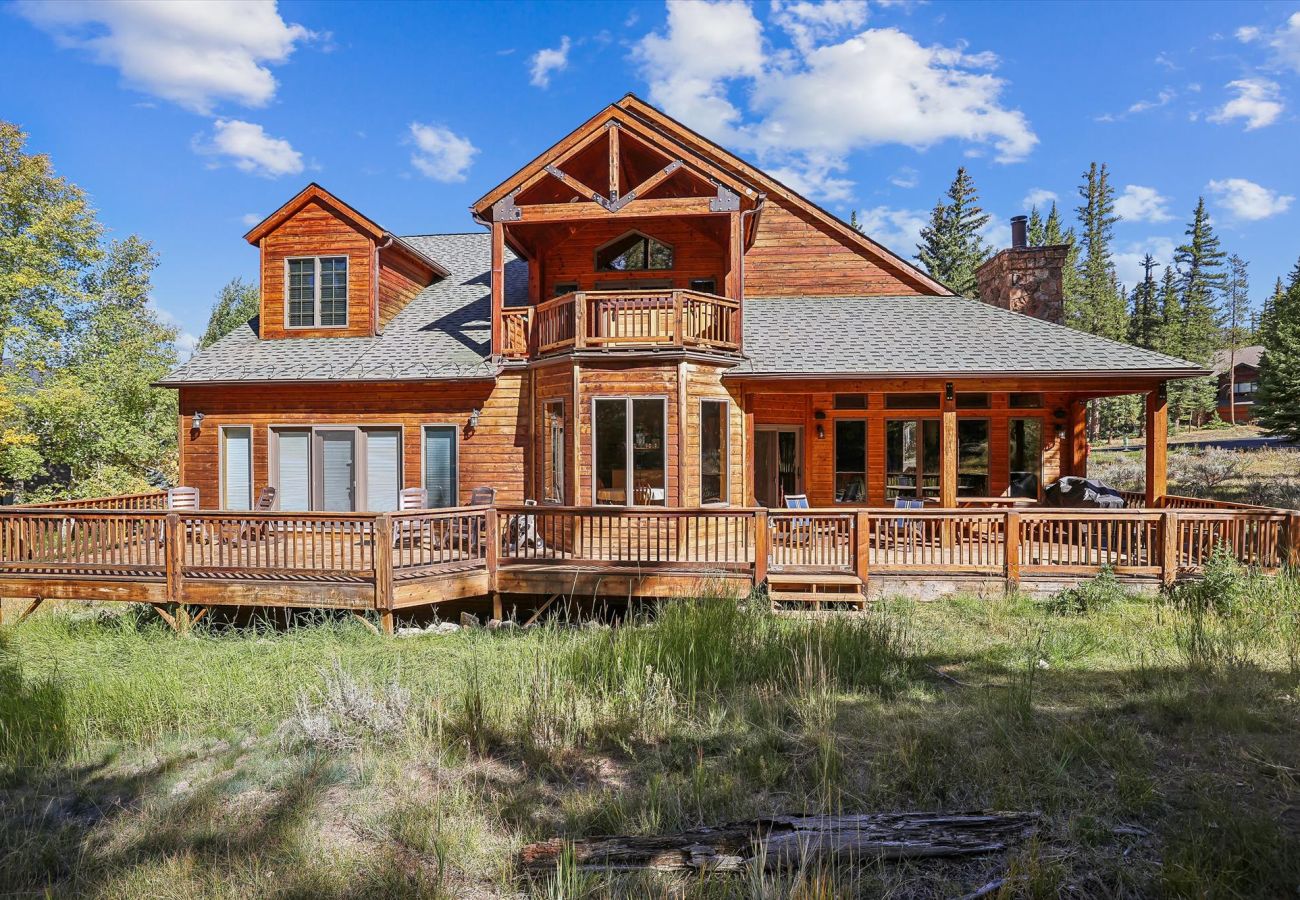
x: 781, y: 841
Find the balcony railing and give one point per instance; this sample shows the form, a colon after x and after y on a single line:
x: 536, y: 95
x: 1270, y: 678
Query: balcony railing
x: 623, y: 320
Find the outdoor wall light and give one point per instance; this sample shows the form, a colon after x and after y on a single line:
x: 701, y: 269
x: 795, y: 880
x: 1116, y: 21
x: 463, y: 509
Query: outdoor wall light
x: 473, y: 419
x: 821, y: 432
x: 196, y: 423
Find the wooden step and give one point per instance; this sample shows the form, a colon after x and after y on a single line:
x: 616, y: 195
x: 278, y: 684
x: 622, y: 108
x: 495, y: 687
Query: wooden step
x: 778, y: 578
x: 813, y: 597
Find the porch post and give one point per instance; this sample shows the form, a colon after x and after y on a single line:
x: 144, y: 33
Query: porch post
x: 498, y: 282
x: 948, y: 450
x: 748, y: 462
x: 1157, y: 443
x: 1077, y: 436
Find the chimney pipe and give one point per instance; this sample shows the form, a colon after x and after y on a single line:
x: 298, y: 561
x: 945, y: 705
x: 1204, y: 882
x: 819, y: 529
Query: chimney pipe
x: 1019, y: 236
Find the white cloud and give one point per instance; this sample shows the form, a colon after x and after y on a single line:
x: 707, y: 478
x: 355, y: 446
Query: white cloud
x: 906, y: 177
x: 807, y: 109
x: 897, y: 229
x: 440, y: 153
x: 548, y: 60
x: 1283, y: 43
x: 1247, y: 200
x: 191, y: 52
x: 1142, y: 204
x: 250, y: 149
x: 810, y: 23
x: 251, y: 219
x: 1162, y: 99
x: 1128, y: 260
x: 186, y: 343
x: 1040, y: 197
x: 1258, y: 101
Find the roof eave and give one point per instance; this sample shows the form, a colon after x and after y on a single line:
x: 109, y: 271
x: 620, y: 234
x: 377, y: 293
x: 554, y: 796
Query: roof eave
x: 1159, y: 374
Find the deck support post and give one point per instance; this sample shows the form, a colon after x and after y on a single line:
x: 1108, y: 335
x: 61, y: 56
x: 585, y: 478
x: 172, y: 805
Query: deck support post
x: 172, y: 545
x: 1157, y: 444
x: 1293, y: 540
x: 1168, y: 547
x: 492, y: 551
x: 948, y: 460
x: 383, y: 562
x: 1011, y: 549
x: 862, y: 546
x: 762, y: 537
x: 498, y: 612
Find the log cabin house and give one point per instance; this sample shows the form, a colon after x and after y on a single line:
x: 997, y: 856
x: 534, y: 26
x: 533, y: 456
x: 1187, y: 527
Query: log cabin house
x: 654, y: 345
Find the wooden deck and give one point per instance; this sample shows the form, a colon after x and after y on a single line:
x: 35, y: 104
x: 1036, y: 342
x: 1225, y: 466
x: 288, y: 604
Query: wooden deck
x: 124, y: 550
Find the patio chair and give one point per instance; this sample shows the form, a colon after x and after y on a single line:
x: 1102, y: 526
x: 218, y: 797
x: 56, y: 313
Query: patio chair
x: 796, y: 530
x: 257, y: 529
x: 521, y: 531
x: 409, y: 530
x: 906, y: 527
x: 185, y: 499
x: 483, y: 496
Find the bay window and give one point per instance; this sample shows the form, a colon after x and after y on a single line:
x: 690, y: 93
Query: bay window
x: 553, y: 452
x: 629, y: 448
x: 713, y: 451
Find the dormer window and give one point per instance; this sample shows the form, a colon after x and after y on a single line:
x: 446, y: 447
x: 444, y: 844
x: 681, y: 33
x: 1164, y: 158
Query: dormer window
x: 316, y: 292
x: 633, y: 252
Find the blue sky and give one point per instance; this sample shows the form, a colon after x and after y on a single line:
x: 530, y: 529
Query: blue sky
x: 187, y: 122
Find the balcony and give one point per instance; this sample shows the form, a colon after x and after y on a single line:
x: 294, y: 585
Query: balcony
x: 626, y: 320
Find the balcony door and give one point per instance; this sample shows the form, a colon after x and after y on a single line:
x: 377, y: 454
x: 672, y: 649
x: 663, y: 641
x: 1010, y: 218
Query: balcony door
x: 778, y: 464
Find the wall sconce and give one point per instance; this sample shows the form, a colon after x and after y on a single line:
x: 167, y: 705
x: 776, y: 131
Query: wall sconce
x: 820, y: 415
x: 821, y: 432
x: 1060, y: 431
x: 196, y: 422
x: 473, y: 419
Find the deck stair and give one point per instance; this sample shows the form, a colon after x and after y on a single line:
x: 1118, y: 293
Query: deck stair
x: 815, y: 590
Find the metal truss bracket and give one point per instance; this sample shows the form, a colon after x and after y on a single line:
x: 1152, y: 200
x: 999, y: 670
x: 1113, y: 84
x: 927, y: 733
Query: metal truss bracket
x: 506, y: 210
x: 726, y: 201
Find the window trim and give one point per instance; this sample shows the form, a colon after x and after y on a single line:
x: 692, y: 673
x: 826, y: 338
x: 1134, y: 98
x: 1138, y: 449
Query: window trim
x: 424, y: 427
x: 595, y: 255
x: 221, y: 465
x: 360, y: 450
x: 726, y: 453
x: 564, y: 451
x: 316, y: 314
x: 629, y: 490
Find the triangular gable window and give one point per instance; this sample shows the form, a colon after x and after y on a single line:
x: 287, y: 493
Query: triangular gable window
x: 634, y: 252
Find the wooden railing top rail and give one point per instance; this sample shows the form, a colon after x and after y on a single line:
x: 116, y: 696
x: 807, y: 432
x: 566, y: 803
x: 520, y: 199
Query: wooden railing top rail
x: 134, y: 502
x: 1178, y: 501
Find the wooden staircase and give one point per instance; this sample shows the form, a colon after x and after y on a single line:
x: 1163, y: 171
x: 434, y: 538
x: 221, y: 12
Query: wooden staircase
x: 815, y: 590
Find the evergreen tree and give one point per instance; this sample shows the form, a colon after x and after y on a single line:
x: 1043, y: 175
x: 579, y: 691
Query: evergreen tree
x: 1144, y: 321
x: 1099, y: 307
x: 1168, y: 340
x: 1201, y: 282
x: 951, y: 247
x: 238, y: 301
x: 1277, y: 401
x: 1035, y: 231
x: 1054, y: 235
x: 1236, y: 331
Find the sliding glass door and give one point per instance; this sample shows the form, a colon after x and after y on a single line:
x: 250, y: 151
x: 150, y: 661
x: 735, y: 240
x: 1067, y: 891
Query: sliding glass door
x: 336, y: 468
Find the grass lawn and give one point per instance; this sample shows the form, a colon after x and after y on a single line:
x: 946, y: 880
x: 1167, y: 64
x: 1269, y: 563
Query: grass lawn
x: 1158, y: 738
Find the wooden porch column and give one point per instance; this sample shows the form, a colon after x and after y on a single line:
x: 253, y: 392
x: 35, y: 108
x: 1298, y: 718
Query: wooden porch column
x: 948, y: 450
x: 682, y: 419
x: 1076, y: 436
x: 733, y: 287
x: 747, y: 461
x: 1157, y: 442
x: 498, y: 282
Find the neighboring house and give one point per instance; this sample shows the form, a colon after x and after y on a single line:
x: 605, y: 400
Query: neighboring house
x: 645, y: 320
x: 1244, y: 363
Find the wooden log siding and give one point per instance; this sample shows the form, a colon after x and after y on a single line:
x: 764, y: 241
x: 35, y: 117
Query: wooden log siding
x: 493, y: 454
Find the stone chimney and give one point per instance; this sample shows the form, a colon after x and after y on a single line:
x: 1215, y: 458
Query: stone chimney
x: 1025, y: 279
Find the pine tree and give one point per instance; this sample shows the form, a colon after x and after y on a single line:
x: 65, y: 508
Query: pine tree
x: 1169, y: 340
x: 1054, y: 235
x: 951, y: 247
x: 1144, y: 321
x: 1236, y: 332
x: 236, y: 303
x: 1201, y: 282
x: 1099, y: 307
x: 1277, y: 401
x: 1035, y: 231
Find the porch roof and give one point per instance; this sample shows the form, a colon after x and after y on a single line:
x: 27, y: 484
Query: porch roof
x: 443, y: 333
x: 795, y: 337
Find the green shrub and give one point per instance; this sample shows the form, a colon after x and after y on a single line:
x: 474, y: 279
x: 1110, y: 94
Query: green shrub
x: 1096, y: 593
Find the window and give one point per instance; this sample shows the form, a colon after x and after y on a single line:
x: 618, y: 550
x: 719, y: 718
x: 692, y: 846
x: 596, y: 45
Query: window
x: 704, y: 285
x: 850, y: 401
x: 713, y: 451
x: 972, y: 401
x: 1025, y: 456
x: 911, y: 401
x: 850, y: 460
x: 553, y: 452
x: 440, y: 465
x: 629, y: 446
x: 972, y: 457
x: 236, y: 467
x: 564, y: 287
x: 317, y: 292
x: 633, y: 252
x: 336, y: 468
x: 912, y: 459
x: 1025, y: 401
x: 1243, y: 390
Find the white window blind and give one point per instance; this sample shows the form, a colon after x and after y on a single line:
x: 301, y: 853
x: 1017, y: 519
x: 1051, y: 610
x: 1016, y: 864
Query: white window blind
x: 336, y: 466
x: 383, y: 453
x: 440, y: 464
x: 295, y: 470
x: 237, y: 462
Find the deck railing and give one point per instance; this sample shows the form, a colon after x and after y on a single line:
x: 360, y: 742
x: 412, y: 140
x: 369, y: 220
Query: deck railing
x: 356, y: 559
x: 624, y: 319
x: 145, y: 500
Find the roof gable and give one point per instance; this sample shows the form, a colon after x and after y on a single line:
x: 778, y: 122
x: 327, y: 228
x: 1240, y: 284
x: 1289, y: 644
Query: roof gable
x: 312, y: 192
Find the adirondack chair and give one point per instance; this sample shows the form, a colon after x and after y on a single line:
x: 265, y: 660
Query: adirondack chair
x: 408, y: 531
x: 796, y: 530
x: 905, y: 527
x: 256, y: 530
